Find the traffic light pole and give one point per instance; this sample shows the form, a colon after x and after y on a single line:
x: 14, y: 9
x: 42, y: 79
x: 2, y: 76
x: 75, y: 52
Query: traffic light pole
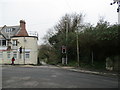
x: 24, y: 51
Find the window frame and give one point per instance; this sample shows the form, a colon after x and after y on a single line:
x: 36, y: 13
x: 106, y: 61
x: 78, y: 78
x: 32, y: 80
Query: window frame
x: 15, y: 55
x: 1, y: 55
x: 8, y: 55
x: 27, y: 55
x: 3, y: 42
x: 14, y: 42
x: 8, y: 30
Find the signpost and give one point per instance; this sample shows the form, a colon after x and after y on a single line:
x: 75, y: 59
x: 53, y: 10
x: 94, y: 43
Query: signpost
x: 64, y: 54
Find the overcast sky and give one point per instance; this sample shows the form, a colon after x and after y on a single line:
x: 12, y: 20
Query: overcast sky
x: 40, y: 15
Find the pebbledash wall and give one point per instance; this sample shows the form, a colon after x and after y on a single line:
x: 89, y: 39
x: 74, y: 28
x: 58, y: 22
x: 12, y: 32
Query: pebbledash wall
x: 29, y: 51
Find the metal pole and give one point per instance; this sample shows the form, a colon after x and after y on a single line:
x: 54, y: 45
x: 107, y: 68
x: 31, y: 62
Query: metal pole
x: 24, y: 55
x: 24, y: 51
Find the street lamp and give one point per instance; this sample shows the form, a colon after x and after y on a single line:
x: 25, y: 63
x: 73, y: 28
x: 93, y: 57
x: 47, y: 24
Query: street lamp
x: 118, y: 9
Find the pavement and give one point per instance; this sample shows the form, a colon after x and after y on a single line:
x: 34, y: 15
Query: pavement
x: 111, y: 74
x: 108, y: 73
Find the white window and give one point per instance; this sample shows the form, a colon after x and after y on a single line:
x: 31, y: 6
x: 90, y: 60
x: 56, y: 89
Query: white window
x: 27, y: 54
x: 2, y: 42
x: 15, y: 55
x: 8, y: 30
x: 14, y: 42
x: 1, y: 55
x: 8, y: 55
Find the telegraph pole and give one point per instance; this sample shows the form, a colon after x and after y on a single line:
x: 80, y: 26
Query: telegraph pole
x: 66, y: 25
x: 118, y: 9
x: 77, y: 48
x: 77, y: 42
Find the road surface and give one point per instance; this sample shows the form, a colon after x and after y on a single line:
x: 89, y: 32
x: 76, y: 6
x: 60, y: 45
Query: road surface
x: 52, y: 77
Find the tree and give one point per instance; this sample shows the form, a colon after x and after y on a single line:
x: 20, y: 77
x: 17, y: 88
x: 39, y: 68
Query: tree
x: 96, y: 42
x: 59, y: 39
x: 47, y: 54
x: 99, y: 42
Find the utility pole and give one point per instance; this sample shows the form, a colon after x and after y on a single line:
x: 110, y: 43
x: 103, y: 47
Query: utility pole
x: 77, y: 41
x: 118, y: 9
x: 66, y: 25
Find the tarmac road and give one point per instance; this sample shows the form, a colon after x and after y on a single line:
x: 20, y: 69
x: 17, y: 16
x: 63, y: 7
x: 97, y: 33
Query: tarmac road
x: 52, y: 77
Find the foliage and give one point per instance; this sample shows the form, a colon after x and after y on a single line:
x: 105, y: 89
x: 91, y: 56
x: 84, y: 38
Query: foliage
x: 95, y: 42
x: 47, y: 54
x: 69, y: 22
x: 102, y: 40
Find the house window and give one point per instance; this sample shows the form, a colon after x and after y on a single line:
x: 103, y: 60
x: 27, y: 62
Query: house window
x: 14, y: 42
x: 15, y: 55
x: 8, y: 55
x: 2, y: 42
x: 27, y: 54
x: 1, y: 55
x: 8, y: 30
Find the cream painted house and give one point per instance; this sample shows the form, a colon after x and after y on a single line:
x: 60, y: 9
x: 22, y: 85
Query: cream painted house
x: 16, y: 42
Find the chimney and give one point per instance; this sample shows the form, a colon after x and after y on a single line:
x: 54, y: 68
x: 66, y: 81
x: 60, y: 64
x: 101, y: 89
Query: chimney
x: 22, y: 31
x: 22, y: 24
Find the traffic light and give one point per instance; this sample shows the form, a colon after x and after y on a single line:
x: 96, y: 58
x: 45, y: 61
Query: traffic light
x: 118, y: 10
x: 20, y: 50
x: 63, y: 49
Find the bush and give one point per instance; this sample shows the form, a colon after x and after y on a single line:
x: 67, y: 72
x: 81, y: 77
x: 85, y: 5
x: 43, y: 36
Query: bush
x: 73, y: 63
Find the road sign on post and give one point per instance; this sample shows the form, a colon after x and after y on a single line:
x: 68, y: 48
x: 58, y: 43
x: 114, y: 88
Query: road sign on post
x: 64, y: 52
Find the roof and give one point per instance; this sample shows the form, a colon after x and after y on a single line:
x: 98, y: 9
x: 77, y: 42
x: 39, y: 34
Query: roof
x: 9, y: 31
x: 22, y: 32
x: 0, y: 28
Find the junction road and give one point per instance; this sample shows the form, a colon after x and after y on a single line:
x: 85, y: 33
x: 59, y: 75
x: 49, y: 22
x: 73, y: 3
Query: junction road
x: 52, y: 77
